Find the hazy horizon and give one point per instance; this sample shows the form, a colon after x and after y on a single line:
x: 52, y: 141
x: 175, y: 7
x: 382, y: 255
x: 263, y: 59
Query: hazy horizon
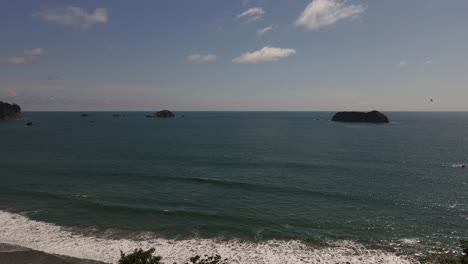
x: 243, y: 55
x: 251, y: 111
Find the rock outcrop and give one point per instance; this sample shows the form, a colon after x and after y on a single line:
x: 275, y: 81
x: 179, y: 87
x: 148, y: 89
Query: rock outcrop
x: 9, y: 111
x: 369, y: 117
x: 162, y: 114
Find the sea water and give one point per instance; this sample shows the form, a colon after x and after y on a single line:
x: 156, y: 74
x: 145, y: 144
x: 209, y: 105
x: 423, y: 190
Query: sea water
x: 255, y: 187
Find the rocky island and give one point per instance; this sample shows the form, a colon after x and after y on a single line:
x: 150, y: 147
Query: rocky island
x: 162, y: 114
x: 369, y: 117
x: 9, y: 111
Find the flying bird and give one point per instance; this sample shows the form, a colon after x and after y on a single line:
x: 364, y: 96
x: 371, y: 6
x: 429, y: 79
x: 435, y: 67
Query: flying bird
x: 431, y: 100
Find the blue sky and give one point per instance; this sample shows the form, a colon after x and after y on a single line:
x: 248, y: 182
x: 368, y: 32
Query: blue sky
x: 235, y: 54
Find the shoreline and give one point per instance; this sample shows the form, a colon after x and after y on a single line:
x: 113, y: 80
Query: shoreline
x: 12, y: 254
x: 34, y: 238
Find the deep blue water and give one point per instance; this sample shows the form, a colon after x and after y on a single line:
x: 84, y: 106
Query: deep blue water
x: 247, y: 175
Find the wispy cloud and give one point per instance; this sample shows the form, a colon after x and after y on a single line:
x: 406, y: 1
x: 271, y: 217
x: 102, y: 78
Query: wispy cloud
x: 34, y: 52
x: 199, y: 58
x: 266, y: 54
x: 8, y: 93
x: 73, y: 16
x: 402, y: 64
x: 264, y: 30
x: 427, y: 62
x: 321, y: 13
x: 14, y: 60
x: 252, y: 19
x: 30, y: 56
x: 254, y: 13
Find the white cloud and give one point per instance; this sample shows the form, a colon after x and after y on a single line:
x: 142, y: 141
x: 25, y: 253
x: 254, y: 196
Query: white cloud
x: 254, y: 18
x: 428, y: 62
x: 264, y: 30
x: 254, y: 13
x: 201, y: 58
x: 31, y: 56
x: 34, y: 52
x: 402, y: 64
x: 266, y: 54
x: 73, y: 16
x: 320, y: 13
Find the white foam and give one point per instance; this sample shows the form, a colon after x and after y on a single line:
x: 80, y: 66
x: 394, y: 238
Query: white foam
x: 19, y: 230
x: 409, y: 241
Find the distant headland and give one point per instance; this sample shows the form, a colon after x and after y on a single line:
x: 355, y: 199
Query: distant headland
x: 369, y: 117
x: 9, y: 111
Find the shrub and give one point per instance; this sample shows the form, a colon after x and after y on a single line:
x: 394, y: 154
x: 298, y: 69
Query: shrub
x: 139, y: 256
x: 207, y: 260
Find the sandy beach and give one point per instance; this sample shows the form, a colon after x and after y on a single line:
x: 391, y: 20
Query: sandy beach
x: 10, y: 254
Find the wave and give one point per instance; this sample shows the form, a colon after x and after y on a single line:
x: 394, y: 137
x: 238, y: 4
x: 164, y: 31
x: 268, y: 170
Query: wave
x: 257, y: 187
x: 19, y: 230
x: 458, y: 165
x: 241, y: 185
x: 110, y: 207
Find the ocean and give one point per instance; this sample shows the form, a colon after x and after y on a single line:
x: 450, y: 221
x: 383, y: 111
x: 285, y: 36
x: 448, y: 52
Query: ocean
x: 255, y: 187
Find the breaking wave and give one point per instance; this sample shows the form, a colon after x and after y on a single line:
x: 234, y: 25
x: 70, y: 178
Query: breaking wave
x: 19, y: 230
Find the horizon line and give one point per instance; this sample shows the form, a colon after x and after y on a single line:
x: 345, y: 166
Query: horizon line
x: 395, y: 111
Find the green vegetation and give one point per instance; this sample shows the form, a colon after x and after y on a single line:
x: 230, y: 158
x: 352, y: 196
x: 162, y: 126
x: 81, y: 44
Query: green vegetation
x: 139, y: 256
x: 207, y: 260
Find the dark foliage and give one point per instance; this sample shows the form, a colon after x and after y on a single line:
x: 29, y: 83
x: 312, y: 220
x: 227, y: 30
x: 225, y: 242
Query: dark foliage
x: 139, y: 256
x: 9, y: 111
x: 207, y: 260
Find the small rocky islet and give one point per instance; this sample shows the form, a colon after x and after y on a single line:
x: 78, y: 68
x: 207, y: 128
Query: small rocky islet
x: 373, y: 116
x: 162, y: 114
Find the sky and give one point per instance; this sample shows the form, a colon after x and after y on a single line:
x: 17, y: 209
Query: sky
x: 234, y: 55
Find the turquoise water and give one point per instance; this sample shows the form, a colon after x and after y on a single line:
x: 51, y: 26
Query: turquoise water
x: 250, y: 176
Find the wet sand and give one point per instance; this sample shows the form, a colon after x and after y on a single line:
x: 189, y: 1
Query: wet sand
x: 10, y: 254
